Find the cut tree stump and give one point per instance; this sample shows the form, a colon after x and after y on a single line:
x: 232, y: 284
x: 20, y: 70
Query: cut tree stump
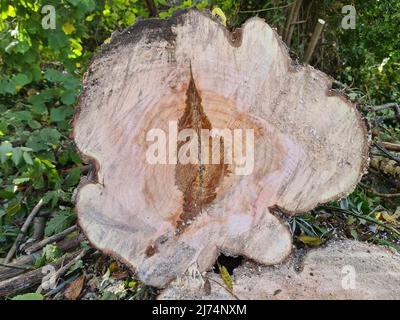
x: 343, y: 269
x: 162, y: 204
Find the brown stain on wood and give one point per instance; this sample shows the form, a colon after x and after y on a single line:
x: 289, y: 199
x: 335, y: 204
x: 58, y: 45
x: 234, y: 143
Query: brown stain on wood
x: 197, y: 182
x: 151, y: 250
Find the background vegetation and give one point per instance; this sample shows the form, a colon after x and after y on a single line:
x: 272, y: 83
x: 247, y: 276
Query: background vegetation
x: 41, y: 72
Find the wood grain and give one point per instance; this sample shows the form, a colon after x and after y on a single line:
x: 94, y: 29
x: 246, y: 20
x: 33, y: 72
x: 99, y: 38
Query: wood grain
x: 310, y: 145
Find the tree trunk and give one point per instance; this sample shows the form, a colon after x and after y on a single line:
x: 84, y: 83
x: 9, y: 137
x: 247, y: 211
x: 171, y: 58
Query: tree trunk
x: 341, y: 270
x: 197, y: 134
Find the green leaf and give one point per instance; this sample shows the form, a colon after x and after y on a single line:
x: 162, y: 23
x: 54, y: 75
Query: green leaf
x: 34, y: 124
x: 39, y: 108
x: 54, y: 196
x: 63, y: 158
x: 69, y: 97
x: 226, y: 277
x: 21, y: 79
x: 35, y: 72
x: 61, y: 113
x: 11, y: 46
x: 13, y: 209
x: 76, y: 266
x: 18, y: 181
x: 59, y: 223
x: 29, y: 296
x: 36, y: 143
x: 108, y: 295
x: 74, y: 2
x: 22, y: 47
x: 40, y: 262
x: 53, y: 75
x: 84, y: 5
x: 7, y: 193
x: 74, y: 156
x: 57, y: 40
x: 73, y: 177
x: 27, y: 158
x: 17, y: 155
x: 52, y: 252
x: 38, y: 102
x: 23, y: 115
x: 352, y: 96
x: 5, y: 151
x: 50, y: 135
x: 354, y: 234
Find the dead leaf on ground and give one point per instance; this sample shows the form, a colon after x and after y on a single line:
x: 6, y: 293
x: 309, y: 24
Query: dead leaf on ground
x: 75, y: 288
x: 207, y: 287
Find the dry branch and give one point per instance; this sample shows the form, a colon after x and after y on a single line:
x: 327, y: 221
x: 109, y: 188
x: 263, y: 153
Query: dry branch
x: 23, y: 230
x: 30, y: 279
x: 387, y: 153
x: 55, y: 238
x: 189, y: 73
x: 391, y: 146
x: 391, y: 105
x: 63, y: 269
x: 314, y: 40
x: 380, y: 194
x: 293, y: 16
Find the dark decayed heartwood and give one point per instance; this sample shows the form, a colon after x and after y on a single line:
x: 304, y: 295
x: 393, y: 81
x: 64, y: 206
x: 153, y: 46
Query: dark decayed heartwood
x: 310, y: 144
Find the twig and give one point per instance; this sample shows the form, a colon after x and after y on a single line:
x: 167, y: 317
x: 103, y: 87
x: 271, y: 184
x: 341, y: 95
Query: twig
x: 391, y: 146
x: 387, y: 153
x: 393, y: 105
x: 224, y: 287
x: 17, y: 268
x: 379, y: 194
x: 367, y: 218
x: 27, y: 280
x: 24, y: 228
x: 60, y: 272
x: 314, y: 40
x: 294, y: 14
x: 289, y: 20
x: 55, y: 238
x: 10, y: 266
x: 300, y: 22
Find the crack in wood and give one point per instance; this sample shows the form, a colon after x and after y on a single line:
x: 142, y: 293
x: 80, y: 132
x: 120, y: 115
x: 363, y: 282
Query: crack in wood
x: 197, y: 182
